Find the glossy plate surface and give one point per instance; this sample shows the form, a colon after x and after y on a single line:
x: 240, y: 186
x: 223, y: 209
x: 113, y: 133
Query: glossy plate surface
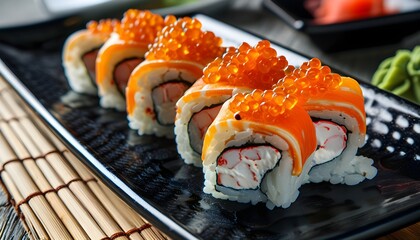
x: 148, y: 173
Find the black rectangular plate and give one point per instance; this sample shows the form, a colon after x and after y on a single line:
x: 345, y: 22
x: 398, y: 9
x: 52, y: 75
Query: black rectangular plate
x: 340, y: 36
x: 147, y: 172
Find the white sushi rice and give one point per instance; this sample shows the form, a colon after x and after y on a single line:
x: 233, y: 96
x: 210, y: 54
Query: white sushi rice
x: 358, y: 169
x: 76, y: 45
x: 279, y: 188
x: 113, y: 99
x: 346, y: 168
x: 146, y: 123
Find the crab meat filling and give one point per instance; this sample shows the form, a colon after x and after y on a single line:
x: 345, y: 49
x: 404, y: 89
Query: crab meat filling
x: 198, y: 125
x: 245, y: 167
x: 89, y: 59
x: 123, y: 71
x: 165, y: 97
x: 332, y: 140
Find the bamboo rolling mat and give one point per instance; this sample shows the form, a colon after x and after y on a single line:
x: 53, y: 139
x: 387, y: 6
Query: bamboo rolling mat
x: 53, y: 193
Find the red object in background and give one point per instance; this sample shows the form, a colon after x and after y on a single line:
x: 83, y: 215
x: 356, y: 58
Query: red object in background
x: 334, y: 11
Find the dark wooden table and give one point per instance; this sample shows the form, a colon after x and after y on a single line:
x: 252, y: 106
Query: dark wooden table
x: 251, y: 16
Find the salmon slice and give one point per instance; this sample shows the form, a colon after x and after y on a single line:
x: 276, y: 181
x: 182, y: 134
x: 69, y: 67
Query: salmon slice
x: 123, y: 71
x: 89, y: 60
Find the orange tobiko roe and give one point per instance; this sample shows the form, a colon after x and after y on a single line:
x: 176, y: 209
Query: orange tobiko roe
x: 296, y: 87
x: 310, y: 79
x: 104, y: 26
x: 142, y: 26
x: 265, y: 106
x: 256, y: 67
x: 185, y: 40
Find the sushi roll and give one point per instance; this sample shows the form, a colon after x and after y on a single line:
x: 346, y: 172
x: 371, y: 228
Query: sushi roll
x: 336, y: 106
x: 174, y: 62
x: 259, y: 149
x: 80, y: 51
x: 222, y: 78
x: 123, y: 51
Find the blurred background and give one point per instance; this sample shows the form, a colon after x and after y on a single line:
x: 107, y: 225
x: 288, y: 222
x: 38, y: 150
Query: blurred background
x: 355, y: 43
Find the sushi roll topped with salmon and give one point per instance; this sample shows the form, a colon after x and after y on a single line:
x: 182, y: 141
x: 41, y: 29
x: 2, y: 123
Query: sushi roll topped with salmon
x: 262, y: 146
x: 174, y: 62
x: 259, y: 149
x: 80, y: 52
x: 241, y: 69
x: 123, y: 51
x: 336, y: 106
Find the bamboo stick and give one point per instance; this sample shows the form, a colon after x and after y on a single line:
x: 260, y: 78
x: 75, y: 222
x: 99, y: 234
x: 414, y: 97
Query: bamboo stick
x: 119, y: 216
x: 131, y: 215
x: 6, y: 114
x: 76, y: 208
x: 113, y: 200
x: 35, y: 138
x: 3, y: 84
x: 148, y: 233
x: 49, y: 135
x: 86, y: 197
x: 7, y: 198
x: 31, y: 221
x: 53, y: 159
x: 83, y: 216
x: 18, y: 111
x: 63, y: 197
x: 27, y: 188
x: 25, y: 149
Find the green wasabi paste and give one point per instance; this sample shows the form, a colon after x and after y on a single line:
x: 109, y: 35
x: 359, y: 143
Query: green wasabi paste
x: 400, y: 74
